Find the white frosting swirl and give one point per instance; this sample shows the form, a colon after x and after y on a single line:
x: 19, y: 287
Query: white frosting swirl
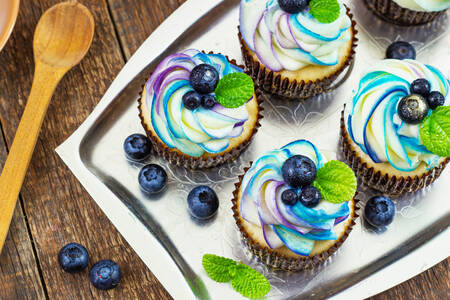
x: 284, y: 41
x: 374, y: 123
x: 424, y: 5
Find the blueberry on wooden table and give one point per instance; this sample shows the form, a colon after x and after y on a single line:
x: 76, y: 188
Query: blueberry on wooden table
x: 73, y: 258
x: 105, y: 274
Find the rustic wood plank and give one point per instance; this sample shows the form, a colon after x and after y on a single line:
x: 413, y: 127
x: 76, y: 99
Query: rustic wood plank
x: 58, y: 209
x: 136, y: 20
x: 20, y: 278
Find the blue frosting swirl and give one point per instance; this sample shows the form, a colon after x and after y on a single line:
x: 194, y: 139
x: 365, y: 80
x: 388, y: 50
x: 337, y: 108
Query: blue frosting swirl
x: 297, y: 227
x: 374, y: 124
x: 193, y: 132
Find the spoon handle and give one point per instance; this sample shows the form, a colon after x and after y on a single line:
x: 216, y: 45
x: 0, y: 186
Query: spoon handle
x: 45, y: 80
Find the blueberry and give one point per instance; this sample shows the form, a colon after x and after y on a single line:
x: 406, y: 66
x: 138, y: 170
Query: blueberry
x: 293, y: 6
x: 289, y: 197
x: 379, y: 211
x: 192, y: 100
x: 208, y: 101
x: 412, y: 109
x: 137, y: 147
x: 420, y: 86
x: 298, y: 171
x: 310, y: 196
x: 73, y: 258
x: 435, y: 99
x: 204, y: 78
x: 105, y: 274
x: 401, y: 50
x: 203, y: 202
x: 152, y: 178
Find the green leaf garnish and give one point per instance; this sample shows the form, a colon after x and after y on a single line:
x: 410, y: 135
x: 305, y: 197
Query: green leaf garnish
x: 435, y: 131
x: 245, y: 280
x: 324, y: 11
x: 234, y: 89
x: 250, y: 283
x: 336, y: 182
x: 218, y: 268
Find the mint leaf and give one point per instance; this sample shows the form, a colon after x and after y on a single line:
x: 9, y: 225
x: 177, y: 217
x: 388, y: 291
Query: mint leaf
x: 234, y: 89
x: 218, y: 268
x: 325, y: 11
x: 250, y: 283
x: 435, y: 131
x: 336, y: 182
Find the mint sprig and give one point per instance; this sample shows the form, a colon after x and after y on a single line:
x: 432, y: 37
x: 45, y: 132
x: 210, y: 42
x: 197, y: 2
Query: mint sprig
x: 325, y: 11
x: 245, y: 280
x: 234, y: 89
x: 336, y: 182
x: 434, y: 131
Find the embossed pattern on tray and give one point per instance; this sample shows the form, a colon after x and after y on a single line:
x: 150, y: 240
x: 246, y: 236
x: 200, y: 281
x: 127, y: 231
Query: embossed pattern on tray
x: 316, y: 119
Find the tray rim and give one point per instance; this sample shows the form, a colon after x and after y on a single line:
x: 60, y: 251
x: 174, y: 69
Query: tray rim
x: 137, y: 235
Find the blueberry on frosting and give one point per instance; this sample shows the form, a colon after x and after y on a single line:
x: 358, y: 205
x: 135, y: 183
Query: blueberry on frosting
x: 208, y: 101
x: 420, y: 86
x: 310, y: 196
x: 293, y: 6
x: 289, y: 197
x: 413, y: 109
x: 299, y: 171
x: 204, y: 78
x: 435, y: 99
x: 192, y: 100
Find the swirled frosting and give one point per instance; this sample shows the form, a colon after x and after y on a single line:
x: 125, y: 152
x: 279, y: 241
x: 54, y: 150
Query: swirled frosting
x: 297, y: 227
x: 284, y: 41
x: 197, y: 131
x: 424, y: 5
x: 374, y: 124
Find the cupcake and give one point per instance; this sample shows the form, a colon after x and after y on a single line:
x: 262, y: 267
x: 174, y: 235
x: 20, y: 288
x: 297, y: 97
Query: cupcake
x: 408, y: 12
x: 199, y: 110
x: 396, y: 136
x: 293, y: 207
x: 296, y: 50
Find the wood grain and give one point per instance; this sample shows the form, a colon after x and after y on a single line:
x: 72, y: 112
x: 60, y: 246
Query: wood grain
x: 58, y: 210
x: 19, y: 272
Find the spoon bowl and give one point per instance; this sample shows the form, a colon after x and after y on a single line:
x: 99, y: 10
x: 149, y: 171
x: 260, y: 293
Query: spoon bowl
x: 63, y: 35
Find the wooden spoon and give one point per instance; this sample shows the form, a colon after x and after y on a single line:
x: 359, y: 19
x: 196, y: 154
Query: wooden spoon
x: 62, y: 38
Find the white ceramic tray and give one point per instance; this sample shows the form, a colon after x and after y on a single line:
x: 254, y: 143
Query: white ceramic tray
x: 171, y: 243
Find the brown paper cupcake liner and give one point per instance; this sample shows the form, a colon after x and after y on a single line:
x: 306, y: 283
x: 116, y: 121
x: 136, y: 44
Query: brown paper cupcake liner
x: 179, y: 158
x: 271, y: 257
x: 393, y: 186
x: 274, y: 83
x: 390, y: 11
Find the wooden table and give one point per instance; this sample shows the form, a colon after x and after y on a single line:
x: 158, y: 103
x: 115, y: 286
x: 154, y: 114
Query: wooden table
x: 54, y: 209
